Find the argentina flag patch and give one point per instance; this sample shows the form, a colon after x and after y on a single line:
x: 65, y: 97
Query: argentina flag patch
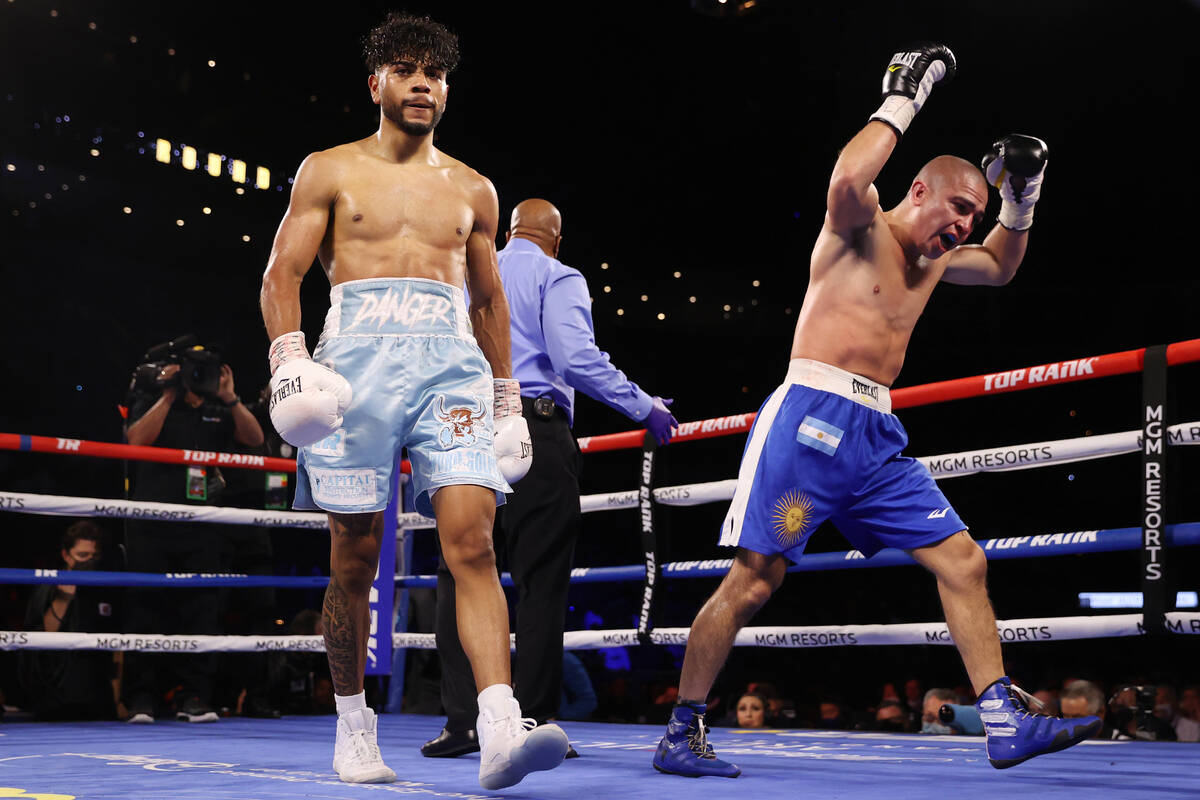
x: 819, y: 435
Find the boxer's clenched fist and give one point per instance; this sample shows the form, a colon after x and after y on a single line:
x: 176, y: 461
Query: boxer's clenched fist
x: 1015, y: 165
x: 308, y: 400
x: 910, y: 77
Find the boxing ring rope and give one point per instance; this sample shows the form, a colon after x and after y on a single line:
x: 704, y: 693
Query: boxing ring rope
x: 1125, y: 362
x: 1041, y: 629
x: 949, y: 465
x: 1000, y: 549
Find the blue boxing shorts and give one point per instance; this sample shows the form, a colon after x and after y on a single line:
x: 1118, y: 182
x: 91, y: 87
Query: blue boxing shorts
x: 420, y: 381
x: 825, y: 445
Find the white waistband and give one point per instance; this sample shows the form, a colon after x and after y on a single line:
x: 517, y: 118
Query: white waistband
x: 828, y: 378
x: 397, y: 307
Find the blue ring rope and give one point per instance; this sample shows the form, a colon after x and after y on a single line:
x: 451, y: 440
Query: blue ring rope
x: 1063, y: 544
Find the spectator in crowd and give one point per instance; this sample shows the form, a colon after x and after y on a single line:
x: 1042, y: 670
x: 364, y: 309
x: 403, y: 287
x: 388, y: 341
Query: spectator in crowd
x: 183, y: 399
x: 933, y: 700
x: 578, y: 694
x: 892, y: 716
x: 1081, y: 698
x: 72, y: 684
x: 1187, y: 723
x: 1050, y: 702
x: 833, y: 715
x: 752, y: 710
x: 780, y: 711
x: 913, y: 697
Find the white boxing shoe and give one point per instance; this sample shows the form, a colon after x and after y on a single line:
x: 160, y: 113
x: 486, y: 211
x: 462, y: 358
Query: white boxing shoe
x: 356, y: 757
x: 512, y: 747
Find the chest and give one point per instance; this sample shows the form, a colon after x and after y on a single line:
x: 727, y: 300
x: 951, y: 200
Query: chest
x: 386, y: 204
x: 207, y: 427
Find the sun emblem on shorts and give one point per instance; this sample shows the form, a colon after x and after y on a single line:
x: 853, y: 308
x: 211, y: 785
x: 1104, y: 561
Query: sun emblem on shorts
x: 792, y: 514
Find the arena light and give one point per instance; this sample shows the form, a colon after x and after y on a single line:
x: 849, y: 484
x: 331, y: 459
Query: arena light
x: 1131, y: 599
x: 215, y: 164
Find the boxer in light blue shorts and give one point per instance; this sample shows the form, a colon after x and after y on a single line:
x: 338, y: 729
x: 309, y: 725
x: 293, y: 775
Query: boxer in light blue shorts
x: 825, y: 445
x: 420, y: 381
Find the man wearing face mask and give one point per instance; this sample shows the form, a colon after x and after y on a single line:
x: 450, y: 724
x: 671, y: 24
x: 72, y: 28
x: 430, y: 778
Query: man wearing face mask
x: 65, y: 684
x: 934, y: 700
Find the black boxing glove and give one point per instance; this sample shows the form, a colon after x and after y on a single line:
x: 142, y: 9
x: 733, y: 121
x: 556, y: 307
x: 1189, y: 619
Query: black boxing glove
x: 910, y: 76
x: 1015, y: 165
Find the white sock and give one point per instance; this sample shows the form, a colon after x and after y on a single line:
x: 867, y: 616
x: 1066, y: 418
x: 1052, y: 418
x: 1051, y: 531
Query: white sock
x: 354, y: 702
x: 497, y: 699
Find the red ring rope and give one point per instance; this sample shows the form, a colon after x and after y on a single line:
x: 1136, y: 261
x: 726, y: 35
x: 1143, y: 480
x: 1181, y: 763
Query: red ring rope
x: 908, y: 397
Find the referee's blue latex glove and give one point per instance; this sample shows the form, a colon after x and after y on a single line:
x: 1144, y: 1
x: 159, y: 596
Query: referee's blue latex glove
x: 660, y: 421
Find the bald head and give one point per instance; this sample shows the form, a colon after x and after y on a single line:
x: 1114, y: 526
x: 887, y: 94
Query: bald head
x: 947, y: 171
x: 539, y: 221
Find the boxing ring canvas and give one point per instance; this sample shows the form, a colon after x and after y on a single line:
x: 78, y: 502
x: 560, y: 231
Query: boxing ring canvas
x: 247, y: 759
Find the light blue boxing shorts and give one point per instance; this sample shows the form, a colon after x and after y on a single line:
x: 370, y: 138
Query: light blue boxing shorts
x: 825, y: 445
x: 420, y: 381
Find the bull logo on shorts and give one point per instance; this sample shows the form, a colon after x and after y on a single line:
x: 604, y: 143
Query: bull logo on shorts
x: 459, y: 422
x: 791, y: 517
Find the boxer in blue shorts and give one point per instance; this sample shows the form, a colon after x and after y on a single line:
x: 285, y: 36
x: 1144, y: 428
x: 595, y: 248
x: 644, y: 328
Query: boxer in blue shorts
x: 398, y: 227
x: 825, y: 444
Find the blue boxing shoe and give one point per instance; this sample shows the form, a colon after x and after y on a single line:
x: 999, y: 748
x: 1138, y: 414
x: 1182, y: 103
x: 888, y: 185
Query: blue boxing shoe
x: 1016, y: 734
x: 685, y: 750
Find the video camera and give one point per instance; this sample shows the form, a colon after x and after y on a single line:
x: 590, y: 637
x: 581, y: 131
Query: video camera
x: 199, y: 368
x: 1142, y: 712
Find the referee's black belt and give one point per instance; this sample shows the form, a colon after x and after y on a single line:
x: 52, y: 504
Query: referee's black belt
x: 543, y: 407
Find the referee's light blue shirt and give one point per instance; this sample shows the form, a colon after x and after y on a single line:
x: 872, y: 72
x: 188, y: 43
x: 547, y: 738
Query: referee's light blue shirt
x: 554, y: 348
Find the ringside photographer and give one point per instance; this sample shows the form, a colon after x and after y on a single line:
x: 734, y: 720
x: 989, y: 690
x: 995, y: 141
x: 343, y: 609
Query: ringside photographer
x: 182, y: 396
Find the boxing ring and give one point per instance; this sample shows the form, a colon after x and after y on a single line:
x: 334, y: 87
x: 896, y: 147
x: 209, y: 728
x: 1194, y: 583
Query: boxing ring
x: 244, y: 758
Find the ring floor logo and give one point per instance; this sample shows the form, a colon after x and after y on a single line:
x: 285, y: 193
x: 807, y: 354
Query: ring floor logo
x: 8, y: 791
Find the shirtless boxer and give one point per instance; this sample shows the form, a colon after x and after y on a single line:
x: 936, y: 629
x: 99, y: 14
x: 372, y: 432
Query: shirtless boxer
x: 398, y: 226
x: 825, y: 444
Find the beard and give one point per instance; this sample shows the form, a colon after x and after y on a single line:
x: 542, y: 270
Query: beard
x: 395, y: 113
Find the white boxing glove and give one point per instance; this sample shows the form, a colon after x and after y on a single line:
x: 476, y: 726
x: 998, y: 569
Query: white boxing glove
x: 307, y: 399
x: 514, y: 449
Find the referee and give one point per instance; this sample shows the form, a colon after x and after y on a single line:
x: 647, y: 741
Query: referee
x: 554, y: 353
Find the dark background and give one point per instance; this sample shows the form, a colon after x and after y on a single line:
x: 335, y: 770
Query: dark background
x: 672, y: 140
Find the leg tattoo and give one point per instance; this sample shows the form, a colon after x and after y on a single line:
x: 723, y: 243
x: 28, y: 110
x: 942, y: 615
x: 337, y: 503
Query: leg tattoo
x: 341, y: 628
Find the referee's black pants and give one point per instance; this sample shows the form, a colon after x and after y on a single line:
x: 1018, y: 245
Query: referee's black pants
x: 535, y: 537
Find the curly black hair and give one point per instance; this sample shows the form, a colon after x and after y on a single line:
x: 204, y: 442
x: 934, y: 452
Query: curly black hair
x: 408, y: 37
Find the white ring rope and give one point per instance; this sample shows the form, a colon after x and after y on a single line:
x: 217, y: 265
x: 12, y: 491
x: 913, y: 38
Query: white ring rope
x: 994, y: 459
x: 1043, y: 629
